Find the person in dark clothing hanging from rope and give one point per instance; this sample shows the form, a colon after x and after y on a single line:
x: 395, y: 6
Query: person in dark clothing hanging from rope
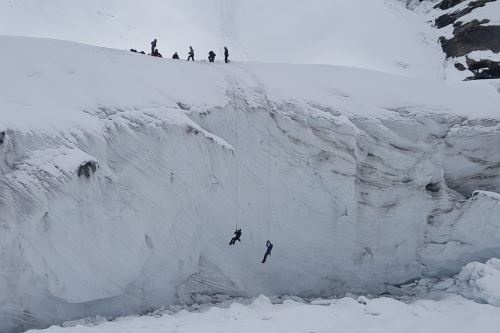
x: 191, y: 53
x: 153, y: 46
x: 211, y: 56
x: 175, y: 56
x: 268, y: 251
x: 226, y: 55
x: 237, y: 235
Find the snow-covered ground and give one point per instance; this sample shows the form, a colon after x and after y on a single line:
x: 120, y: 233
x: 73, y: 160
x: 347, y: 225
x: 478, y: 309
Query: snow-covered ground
x: 378, y: 34
x: 453, y: 314
x: 448, y: 312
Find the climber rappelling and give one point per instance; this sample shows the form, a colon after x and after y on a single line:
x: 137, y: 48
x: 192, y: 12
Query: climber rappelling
x: 237, y: 236
x: 268, y: 251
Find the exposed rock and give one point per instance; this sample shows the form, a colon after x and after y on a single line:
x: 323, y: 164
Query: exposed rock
x: 472, y: 36
x: 2, y: 137
x: 483, y: 69
x: 450, y: 18
x: 87, y: 169
x: 460, y: 66
x: 447, y: 4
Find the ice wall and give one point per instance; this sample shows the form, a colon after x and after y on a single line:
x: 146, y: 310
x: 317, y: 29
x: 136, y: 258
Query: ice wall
x: 124, y: 199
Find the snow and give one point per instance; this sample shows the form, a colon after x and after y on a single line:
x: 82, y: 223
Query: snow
x: 63, y: 91
x: 380, y: 171
x: 352, y: 152
x: 387, y: 315
x: 480, y: 55
x: 490, y: 11
x: 476, y: 281
x: 379, y: 34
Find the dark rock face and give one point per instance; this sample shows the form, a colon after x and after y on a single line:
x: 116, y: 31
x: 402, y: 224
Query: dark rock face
x: 447, y: 4
x: 472, y: 36
x: 483, y: 69
x: 2, y: 137
x: 460, y: 67
x: 447, y: 19
x: 469, y: 37
x: 87, y: 169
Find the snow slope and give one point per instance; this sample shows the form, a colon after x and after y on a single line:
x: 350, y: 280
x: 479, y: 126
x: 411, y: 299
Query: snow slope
x: 380, y: 34
x: 371, y: 180
x: 343, y: 315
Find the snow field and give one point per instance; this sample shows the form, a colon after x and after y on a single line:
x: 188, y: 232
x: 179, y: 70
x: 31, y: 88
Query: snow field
x: 384, y: 315
x: 380, y: 35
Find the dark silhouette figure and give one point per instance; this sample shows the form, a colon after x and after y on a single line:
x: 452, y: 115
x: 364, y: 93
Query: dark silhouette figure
x: 191, y: 53
x: 211, y: 56
x: 268, y: 251
x: 226, y: 55
x: 156, y: 53
x: 237, y: 235
x: 175, y: 56
x: 153, y: 46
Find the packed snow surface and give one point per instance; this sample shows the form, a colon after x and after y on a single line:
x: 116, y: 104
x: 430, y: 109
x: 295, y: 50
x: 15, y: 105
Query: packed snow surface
x: 378, y: 34
x: 386, y: 315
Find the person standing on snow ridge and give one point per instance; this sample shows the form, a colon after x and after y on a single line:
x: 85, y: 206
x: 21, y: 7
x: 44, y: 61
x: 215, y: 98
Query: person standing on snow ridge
x: 153, y: 46
x: 226, y: 55
x: 268, y: 251
x: 191, y: 53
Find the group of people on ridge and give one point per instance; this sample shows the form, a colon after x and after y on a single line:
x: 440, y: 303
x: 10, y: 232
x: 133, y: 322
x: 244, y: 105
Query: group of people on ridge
x: 211, y: 58
x: 211, y: 54
x: 237, y: 236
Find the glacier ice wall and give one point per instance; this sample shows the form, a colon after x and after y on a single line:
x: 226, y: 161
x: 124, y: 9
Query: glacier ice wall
x: 137, y: 212
x: 356, y: 204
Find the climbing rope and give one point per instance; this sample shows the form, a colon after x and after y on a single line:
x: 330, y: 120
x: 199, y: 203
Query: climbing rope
x: 236, y: 166
x: 268, y: 170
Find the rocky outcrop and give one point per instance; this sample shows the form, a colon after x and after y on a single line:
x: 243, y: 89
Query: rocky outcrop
x: 483, y: 69
x: 452, y: 17
x: 447, y: 4
x: 470, y: 36
x: 87, y: 168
